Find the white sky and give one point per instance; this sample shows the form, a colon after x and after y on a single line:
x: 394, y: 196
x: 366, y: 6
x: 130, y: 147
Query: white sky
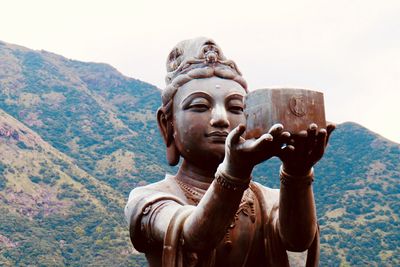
x: 348, y: 49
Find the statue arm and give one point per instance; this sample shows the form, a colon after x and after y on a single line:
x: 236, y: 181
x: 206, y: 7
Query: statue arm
x: 150, y: 213
x: 207, y: 225
x: 297, y: 222
x: 297, y: 215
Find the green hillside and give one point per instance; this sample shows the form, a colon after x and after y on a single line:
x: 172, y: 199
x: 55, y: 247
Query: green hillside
x: 52, y: 212
x: 76, y: 137
x: 62, y: 199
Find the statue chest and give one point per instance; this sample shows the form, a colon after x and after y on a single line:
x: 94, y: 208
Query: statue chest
x: 243, y: 241
x: 242, y: 244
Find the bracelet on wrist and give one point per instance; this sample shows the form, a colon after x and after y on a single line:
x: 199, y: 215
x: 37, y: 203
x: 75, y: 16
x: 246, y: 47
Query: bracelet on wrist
x: 230, y: 182
x: 288, y: 179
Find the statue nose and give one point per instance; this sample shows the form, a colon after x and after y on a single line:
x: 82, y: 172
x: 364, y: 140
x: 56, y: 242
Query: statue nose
x: 219, y: 117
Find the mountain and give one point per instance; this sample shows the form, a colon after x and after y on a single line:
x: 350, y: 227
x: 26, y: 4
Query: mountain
x: 76, y: 137
x: 88, y: 111
x: 71, y: 145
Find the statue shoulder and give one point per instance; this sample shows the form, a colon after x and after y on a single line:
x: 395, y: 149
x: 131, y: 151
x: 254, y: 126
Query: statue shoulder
x: 167, y: 185
x: 144, y: 201
x: 142, y: 197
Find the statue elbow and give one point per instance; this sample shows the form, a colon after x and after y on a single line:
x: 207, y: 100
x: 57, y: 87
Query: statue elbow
x: 300, y: 243
x: 298, y: 247
x: 200, y: 243
x: 199, y: 246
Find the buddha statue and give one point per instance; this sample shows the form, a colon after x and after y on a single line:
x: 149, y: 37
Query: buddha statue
x: 211, y: 212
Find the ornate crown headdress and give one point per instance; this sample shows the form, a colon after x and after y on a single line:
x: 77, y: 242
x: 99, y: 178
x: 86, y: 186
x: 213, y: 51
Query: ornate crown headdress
x: 195, y: 59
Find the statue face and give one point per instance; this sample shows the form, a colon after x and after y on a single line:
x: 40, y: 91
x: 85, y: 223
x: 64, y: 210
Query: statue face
x: 204, y: 112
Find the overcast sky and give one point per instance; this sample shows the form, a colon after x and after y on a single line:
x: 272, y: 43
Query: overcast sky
x: 348, y: 49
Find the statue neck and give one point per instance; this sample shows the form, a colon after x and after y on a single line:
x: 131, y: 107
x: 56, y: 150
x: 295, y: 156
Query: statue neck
x: 189, y: 171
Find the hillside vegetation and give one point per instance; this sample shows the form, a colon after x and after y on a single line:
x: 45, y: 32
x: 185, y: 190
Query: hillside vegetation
x: 76, y: 137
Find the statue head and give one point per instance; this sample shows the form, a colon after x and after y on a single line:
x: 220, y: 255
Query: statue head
x: 199, y: 77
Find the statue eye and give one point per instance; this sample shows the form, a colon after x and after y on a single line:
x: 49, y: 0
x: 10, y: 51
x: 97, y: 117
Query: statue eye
x: 236, y: 109
x: 199, y: 105
x: 235, y: 106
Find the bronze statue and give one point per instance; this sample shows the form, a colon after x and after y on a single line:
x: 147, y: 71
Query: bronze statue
x: 211, y: 213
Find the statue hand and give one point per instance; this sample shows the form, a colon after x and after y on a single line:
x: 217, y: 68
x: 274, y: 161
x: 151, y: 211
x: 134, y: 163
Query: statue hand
x: 305, y: 149
x: 242, y: 155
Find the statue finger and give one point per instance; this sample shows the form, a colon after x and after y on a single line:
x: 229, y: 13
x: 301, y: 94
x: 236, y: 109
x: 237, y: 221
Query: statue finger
x: 286, y: 153
x: 276, y: 129
x: 312, y: 130
x: 299, y: 143
x: 320, y: 145
x: 311, y: 137
x: 301, y: 135
x: 291, y: 141
x: 284, y: 137
x: 263, y: 142
x: 259, y: 144
x: 329, y: 128
x: 234, y: 136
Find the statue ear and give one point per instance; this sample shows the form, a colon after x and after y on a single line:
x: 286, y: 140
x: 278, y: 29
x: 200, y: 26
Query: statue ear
x: 162, y: 124
x: 167, y: 132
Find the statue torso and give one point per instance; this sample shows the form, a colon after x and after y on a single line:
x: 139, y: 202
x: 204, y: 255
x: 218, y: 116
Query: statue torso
x: 244, y: 241
x: 242, y: 244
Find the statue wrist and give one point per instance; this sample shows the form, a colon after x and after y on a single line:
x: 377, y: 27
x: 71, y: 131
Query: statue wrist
x: 239, y: 170
x: 298, y: 180
x: 227, y: 181
x: 293, y: 171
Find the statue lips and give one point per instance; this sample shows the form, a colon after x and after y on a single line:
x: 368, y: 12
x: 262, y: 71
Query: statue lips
x: 217, y: 136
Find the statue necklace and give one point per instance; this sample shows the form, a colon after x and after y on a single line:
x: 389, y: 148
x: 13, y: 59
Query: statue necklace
x: 246, y: 207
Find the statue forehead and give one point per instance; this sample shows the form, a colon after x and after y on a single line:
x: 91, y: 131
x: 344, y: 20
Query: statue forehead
x: 213, y: 86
